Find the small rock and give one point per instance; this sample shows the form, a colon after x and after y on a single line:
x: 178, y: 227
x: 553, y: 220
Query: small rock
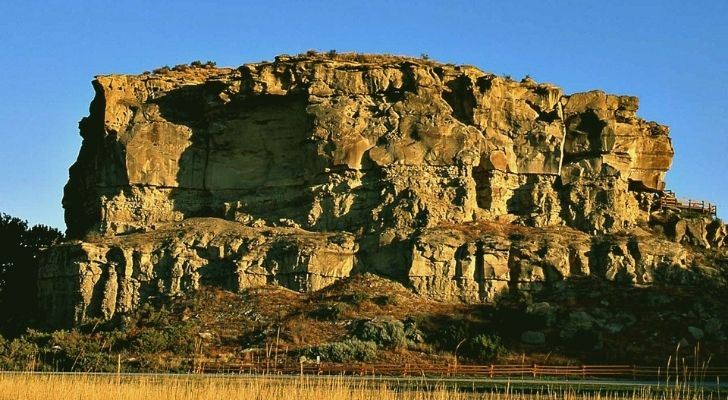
x: 289, y: 223
x: 205, y: 335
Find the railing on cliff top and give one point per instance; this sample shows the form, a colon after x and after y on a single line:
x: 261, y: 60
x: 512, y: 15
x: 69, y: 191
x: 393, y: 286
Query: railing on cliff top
x: 669, y: 200
x: 634, y: 372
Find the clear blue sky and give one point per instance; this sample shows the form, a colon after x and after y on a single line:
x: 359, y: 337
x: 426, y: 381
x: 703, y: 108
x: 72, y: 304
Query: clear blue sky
x: 672, y: 54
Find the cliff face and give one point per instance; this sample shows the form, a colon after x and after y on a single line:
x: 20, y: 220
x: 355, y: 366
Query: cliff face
x: 329, y: 144
x: 309, y: 169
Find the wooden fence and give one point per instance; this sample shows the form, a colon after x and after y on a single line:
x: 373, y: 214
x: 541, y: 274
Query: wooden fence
x: 487, y: 371
x: 669, y: 200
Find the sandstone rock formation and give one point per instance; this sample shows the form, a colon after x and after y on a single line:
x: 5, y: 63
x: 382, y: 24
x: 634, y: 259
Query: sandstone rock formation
x: 310, y: 168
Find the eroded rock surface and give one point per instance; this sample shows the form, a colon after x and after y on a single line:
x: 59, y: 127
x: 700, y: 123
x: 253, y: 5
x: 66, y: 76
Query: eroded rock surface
x: 381, y: 164
x: 118, y: 273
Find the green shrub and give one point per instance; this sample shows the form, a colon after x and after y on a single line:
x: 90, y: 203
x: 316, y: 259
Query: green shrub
x: 485, y: 347
x: 177, y: 338
x: 151, y: 341
x: 385, y: 300
x: 162, y: 70
x: 330, y: 312
x: 346, y: 351
x: 19, y: 355
x: 449, y: 336
x: 75, y: 351
x: 181, y: 67
x: 412, y: 331
x: 385, y: 332
x: 357, y: 298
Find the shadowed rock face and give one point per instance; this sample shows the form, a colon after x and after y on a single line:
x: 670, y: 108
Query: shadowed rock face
x: 381, y: 152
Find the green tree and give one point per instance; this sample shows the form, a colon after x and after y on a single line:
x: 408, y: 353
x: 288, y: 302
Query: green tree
x: 20, y: 248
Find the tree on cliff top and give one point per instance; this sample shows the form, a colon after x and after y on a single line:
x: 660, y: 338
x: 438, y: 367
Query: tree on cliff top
x: 20, y: 248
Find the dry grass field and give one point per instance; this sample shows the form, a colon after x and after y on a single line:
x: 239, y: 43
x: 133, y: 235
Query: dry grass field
x: 191, y: 387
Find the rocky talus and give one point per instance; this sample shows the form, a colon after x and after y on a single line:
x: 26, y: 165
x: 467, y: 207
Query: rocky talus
x: 298, y: 172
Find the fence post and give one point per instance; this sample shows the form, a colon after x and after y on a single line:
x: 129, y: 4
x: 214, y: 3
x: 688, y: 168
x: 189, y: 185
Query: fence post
x: 583, y: 371
x: 634, y: 372
x: 534, y: 370
x: 491, y: 370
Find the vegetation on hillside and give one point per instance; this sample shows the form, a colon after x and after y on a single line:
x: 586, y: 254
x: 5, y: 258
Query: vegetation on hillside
x: 371, y: 319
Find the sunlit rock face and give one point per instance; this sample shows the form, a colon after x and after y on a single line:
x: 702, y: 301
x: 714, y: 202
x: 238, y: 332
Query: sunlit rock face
x: 335, y: 144
x: 363, y: 158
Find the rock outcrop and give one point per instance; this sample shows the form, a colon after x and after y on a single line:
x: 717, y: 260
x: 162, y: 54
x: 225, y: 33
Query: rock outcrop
x: 117, y: 273
x: 307, y: 169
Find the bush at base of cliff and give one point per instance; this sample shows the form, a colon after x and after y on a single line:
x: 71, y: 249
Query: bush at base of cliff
x: 174, y: 338
x: 485, y: 347
x: 345, y: 351
x: 18, y: 354
x: 385, y: 332
x: 330, y: 312
x: 61, y: 351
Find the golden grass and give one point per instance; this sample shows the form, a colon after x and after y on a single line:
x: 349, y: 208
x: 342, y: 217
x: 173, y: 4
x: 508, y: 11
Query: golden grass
x: 200, y: 387
x: 85, y: 387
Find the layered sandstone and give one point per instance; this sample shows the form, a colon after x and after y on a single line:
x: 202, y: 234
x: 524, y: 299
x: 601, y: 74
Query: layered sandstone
x: 367, y: 163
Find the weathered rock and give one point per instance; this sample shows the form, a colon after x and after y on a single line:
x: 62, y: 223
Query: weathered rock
x: 307, y: 169
x: 344, y: 144
x: 605, y: 137
x: 478, y: 262
x: 691, y: 228
x: 80, y: 280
